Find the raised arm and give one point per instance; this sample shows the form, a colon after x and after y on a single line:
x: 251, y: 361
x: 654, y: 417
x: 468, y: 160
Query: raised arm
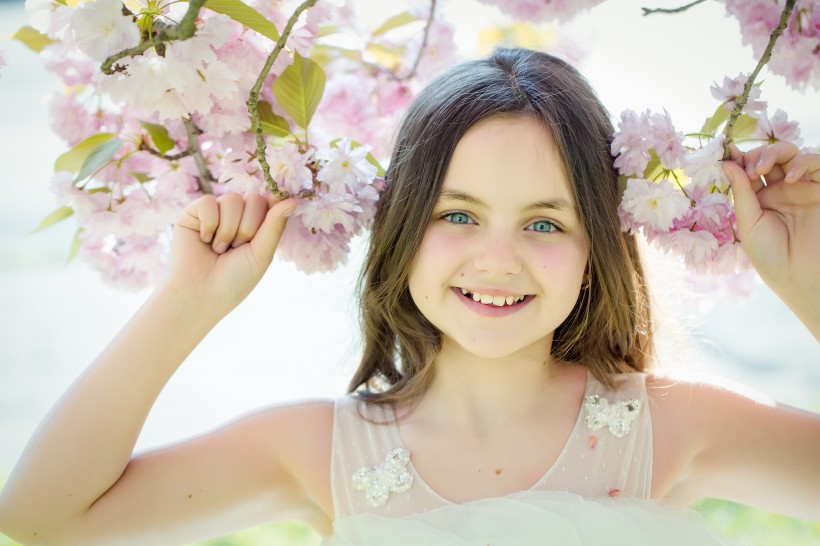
x: 77, y: 483
x: 779, y: 223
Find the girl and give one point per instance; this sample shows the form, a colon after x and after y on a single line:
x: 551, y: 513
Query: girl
x: 505, y: 393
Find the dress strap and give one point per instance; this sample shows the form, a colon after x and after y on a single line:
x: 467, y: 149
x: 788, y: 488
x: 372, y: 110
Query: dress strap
x: 610, y: 452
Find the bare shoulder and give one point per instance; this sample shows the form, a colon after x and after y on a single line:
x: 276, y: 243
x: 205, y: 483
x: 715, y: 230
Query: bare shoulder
x: 301, y: 434
x: 715, y: 437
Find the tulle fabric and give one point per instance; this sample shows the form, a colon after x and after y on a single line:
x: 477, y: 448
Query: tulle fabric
x: 528, y: 518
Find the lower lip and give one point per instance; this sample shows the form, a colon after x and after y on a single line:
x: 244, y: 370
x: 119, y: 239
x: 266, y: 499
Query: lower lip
x: 489, y: 310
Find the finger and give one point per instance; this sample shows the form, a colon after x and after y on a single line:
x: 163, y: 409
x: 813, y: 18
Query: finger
x: 264, y: 243
x: 202, y: 216
x: 252, y: 217
x: 806, y: 166
x: 230, y: 214
x: 747, y: 206
x: 776, y: 159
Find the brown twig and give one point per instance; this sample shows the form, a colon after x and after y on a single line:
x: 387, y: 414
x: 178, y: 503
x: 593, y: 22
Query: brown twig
x: 425, y: 37
x: 185, y: 29
x: 206, y: 179
x: 144, y: 147
x: 740, y: 102
x: 253, y: 100
x: 650, y: 11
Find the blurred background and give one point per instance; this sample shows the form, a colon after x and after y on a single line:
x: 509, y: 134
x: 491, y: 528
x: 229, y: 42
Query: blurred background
x: 297, y: 335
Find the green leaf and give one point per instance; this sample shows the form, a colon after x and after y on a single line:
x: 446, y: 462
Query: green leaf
x: 98, y: 158
x: 76, y: 243
x: 744, y: 128
x: 712, y: 124
x: 244, y: 15
x: 73, y: 159
x: 375, y: 162
x: 654, y: 168
x: 271, y: 123
x: 57, y: 216
x: 142, y: 178
x: 299, y: 89
x: 159, y: 135
x: 33, y: 39
x: 370, y: 157
x: 396, y: 21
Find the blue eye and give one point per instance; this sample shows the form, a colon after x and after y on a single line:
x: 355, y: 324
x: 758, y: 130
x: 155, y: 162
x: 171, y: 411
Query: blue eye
x: 457, y: 218
x: 542, y: 226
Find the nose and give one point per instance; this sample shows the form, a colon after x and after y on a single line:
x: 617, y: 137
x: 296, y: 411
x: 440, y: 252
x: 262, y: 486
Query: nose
x: 497, y: 256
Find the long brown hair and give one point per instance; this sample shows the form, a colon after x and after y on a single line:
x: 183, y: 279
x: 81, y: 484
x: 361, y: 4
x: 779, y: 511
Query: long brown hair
x: 608, y: 330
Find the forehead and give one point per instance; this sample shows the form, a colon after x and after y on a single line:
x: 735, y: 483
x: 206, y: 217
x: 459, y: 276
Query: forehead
x: 510, y: 157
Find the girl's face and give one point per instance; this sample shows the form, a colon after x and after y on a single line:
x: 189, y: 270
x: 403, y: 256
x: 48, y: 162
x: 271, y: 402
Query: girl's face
x: 504, y: 231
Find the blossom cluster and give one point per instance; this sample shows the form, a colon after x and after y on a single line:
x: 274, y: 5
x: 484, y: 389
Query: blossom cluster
x: 676, y: 193
x: 537, y: 11
x: 796, y: 55
x: 137, y: 136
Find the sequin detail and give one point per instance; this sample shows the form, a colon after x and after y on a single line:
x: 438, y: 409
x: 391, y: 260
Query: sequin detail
x: 390, y: 476
x: 617, y: 417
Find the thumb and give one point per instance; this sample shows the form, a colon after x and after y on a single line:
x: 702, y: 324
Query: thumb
x: 267, y: 237
x: 747, y: 206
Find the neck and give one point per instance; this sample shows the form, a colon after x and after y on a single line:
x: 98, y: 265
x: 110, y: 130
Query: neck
x: 480, y: 395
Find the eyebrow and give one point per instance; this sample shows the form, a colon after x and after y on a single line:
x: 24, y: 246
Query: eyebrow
x: 559, y: 203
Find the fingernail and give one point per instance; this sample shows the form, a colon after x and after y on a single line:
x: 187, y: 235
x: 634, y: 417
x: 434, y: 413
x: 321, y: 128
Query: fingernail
x: 792, y: 173
x: 761, y: 162
x: 207, y: 239
x: 220, y: 248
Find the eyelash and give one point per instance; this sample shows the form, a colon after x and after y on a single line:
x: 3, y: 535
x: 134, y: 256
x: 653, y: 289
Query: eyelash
x: 449, y: 215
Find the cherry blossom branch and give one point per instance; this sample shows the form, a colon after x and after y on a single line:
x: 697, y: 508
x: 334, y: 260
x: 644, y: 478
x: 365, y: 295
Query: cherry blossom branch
x: 205, y: 176
x: 183, y: 30
x: 253, y: 100
x: 424, y: 39
x: 767, y: 55
x: 650, y: 11
x: 144, y: 147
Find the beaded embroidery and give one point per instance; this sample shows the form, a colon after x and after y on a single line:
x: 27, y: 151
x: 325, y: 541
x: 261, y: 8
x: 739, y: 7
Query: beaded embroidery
x: 390, y: 476
x: 617, y: 417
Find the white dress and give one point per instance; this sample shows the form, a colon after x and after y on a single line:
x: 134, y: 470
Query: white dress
x: 595, y: 493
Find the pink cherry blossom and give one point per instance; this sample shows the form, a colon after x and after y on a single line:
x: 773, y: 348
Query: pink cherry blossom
x: 732, y: 88
x: 71, y: 65
x: 70, y: 120
x: 697, y: 248
x: 345, y: 167
x: 796, y: 56
x: 49, y: 17
x: 132, y: 263
x: 100, y: 29
x: 289, y: 167
x: 328, y: 211
x: 631, y: 144
x: 778, y: 128
x: 653, y: 205
x: 703, y: 165
x: 314, y: 251
x: 539, y: 11
x: 667, y: 143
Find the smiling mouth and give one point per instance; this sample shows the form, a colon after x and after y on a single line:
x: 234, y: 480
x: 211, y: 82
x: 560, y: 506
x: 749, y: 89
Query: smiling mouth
x: 496, y: 301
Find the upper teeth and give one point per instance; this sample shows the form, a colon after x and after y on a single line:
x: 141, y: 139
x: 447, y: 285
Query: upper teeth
x: 498, y: 301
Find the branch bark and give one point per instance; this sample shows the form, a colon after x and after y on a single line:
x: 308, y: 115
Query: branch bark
x: 744, y: 97
x: 650, y: 11
x: 206, y: 179
x: 185, y: 29
x: 253, y: 100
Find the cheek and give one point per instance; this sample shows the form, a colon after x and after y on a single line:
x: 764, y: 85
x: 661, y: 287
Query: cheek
x: 565, y: 261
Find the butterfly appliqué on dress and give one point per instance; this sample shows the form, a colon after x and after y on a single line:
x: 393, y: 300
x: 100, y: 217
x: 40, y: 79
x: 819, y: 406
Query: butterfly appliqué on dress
x: 618, y: 417
x: 390, y: 476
